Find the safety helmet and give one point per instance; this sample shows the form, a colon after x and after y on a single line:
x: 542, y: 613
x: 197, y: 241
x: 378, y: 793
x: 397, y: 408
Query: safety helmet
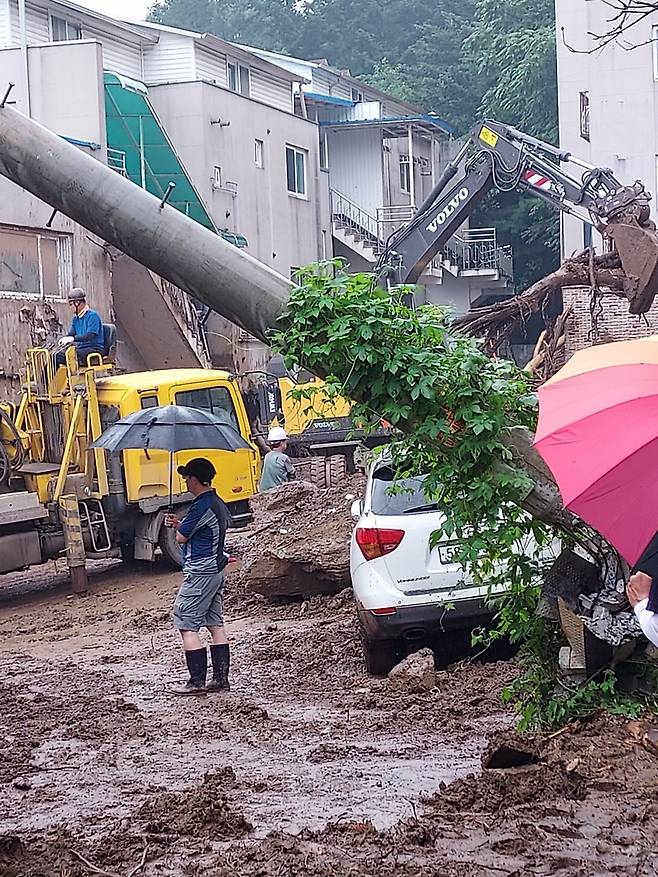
x: 77, y: 294
x: 277, y: 434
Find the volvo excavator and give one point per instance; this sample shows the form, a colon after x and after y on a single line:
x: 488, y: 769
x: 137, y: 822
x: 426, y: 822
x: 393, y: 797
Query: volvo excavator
x: 253, y: 296
x: 499, y: 157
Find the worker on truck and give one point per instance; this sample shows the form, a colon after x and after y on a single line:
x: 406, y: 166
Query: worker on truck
x: 277, y: 465
x: 86, y: 330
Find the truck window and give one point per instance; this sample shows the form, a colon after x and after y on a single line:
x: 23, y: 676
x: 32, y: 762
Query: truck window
x: 149, y: 401
x: 217, y: 400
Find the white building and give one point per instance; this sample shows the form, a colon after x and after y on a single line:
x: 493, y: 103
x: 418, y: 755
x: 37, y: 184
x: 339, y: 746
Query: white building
x: 608, y: 100
x: 382, y: 156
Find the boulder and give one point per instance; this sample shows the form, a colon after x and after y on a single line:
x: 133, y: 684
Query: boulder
x: 415, y: 673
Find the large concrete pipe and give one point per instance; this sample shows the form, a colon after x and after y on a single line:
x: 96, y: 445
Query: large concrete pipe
x: 162, y: 238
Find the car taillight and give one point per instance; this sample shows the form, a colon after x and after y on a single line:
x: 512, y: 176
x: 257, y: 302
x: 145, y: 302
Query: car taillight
x: 375, y: 542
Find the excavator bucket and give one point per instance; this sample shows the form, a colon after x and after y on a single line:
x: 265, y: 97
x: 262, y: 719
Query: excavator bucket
x: 638, y: 252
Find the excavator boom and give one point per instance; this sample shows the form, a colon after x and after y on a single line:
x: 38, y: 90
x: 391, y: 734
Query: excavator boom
x: 498, y: 156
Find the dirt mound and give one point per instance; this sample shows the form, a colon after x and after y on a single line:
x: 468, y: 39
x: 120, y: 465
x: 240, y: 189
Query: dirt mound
x: 203, y: 811
x: 298, y: 544
x: 499, y: 790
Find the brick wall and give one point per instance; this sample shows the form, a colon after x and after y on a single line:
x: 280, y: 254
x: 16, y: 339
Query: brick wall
x: 613, y: 321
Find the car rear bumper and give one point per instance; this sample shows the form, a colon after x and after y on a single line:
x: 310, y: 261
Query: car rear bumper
x: 425, y: 619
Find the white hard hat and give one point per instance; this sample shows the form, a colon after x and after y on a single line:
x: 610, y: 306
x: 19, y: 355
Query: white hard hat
x: 277, y: 434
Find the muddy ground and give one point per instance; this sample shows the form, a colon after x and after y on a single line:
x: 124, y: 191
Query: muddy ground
x: 307, y: 767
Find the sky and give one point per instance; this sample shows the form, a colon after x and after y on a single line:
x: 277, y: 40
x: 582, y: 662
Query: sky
x: 132, y: 9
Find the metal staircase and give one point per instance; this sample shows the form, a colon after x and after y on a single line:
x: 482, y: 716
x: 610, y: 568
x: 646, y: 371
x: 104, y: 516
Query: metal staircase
x: 471, y: 253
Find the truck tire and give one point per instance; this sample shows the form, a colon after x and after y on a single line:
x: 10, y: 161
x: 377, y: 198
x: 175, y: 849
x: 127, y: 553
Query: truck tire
x: 171, y: 550
x: 336, y: 470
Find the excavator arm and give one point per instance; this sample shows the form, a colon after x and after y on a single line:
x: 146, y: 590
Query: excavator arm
x: 503, y: 158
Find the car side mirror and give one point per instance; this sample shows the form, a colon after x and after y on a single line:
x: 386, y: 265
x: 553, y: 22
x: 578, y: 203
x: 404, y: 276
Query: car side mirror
x: 357, y: 509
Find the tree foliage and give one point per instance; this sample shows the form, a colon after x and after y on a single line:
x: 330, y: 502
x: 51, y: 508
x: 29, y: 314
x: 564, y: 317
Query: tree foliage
x: 414, y: 370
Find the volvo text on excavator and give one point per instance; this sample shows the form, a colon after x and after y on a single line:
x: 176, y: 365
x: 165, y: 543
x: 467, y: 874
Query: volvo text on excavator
x: 497, y: 156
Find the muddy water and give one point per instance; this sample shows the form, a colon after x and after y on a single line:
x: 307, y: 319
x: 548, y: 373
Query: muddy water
x: 297, y: 729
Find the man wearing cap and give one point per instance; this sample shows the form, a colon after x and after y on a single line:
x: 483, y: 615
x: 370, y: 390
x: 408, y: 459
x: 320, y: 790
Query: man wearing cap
x: 200, y: 599
x: 86, y: 330
x: 277, y: 465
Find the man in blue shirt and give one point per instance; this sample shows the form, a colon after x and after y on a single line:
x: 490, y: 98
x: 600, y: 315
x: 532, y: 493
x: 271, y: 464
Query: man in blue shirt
x: 86, y: 330
x: 200, y: 599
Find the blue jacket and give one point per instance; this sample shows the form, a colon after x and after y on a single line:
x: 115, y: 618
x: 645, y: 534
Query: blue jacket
x: 87, y: 331
x: 205, y: 527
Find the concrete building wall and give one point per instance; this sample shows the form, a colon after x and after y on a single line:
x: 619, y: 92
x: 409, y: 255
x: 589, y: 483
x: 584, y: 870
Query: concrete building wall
x: 622, y: 90
x: 355, y: 165
x: 283, y: 230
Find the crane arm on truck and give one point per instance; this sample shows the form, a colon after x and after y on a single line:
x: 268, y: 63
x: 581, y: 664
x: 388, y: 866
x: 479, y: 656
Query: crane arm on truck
x: 499, y: 157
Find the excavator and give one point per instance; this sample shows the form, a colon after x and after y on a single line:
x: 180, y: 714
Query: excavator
x: 499, y: 157
x: 253, y: 296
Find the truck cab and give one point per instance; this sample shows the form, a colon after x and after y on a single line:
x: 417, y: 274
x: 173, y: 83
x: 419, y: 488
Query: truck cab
x: 146, y: 476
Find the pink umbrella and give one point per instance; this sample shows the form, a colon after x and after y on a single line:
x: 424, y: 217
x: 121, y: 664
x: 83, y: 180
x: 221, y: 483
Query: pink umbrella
x: 598, y: 433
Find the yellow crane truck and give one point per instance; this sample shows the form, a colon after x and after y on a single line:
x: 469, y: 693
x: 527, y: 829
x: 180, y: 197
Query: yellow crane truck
x: 58, y: 495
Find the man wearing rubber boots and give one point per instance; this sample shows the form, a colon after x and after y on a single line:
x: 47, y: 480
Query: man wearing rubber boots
x: 200, y: 599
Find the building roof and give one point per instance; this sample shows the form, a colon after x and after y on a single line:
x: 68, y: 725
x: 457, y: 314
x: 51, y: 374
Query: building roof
x: 217, y: 44
x: 83, y: 12
x: 395, y: 125
x: 412, y: 110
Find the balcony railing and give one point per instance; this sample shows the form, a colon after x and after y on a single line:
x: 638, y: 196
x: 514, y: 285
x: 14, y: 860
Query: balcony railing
x: 116, y: 161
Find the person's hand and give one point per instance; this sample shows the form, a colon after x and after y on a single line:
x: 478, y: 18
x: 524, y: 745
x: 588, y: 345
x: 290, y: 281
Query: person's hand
x: 638, y: 588
x: 66, y: 340
x: 171, y: 520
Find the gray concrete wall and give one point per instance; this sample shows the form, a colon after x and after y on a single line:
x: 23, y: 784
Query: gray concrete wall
x: 283, y: 231
x: 623, y: 95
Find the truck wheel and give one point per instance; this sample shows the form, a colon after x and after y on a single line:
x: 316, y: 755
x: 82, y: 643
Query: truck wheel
x: 337, y: 470
x: 171, y: 550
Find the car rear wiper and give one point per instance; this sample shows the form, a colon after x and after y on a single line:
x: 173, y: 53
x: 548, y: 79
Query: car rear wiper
x: 429, y: 507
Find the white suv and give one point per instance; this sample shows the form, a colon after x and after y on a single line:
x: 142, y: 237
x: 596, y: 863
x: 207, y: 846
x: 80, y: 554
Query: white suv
x: 405, y: 589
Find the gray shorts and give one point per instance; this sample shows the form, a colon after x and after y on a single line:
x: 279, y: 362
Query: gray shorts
x: 199, y: 602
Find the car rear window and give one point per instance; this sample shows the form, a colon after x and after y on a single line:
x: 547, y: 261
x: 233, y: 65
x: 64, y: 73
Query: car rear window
x: 391, y: 496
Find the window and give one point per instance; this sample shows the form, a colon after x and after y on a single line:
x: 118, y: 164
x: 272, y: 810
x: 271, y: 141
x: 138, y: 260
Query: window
x: 408, y: 493
x: 217, y: 177
x: 239, y: 78
x: 405, y: 174
x: 357, y: 96
x: 258, y: 153
x: 324, y: 157
x: 217, y: 400
x: 587, y: 235
x: 654, y: 37
x: 296, y: 170
x: 35, y: 265
x: 584, y: 115
x: 148, y: 402
x: 62, y: 29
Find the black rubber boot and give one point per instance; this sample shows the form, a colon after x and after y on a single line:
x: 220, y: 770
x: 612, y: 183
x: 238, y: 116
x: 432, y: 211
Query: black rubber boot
x: 221, y: 661
x: 197, y: 664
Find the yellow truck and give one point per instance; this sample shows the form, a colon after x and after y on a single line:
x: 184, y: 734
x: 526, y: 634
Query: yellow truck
x: 59, y: 495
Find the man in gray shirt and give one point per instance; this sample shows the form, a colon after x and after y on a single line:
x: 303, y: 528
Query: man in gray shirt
x: 277, y: 465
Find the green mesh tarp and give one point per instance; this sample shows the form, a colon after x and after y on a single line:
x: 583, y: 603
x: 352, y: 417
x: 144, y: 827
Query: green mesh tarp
x: 150, y: 159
